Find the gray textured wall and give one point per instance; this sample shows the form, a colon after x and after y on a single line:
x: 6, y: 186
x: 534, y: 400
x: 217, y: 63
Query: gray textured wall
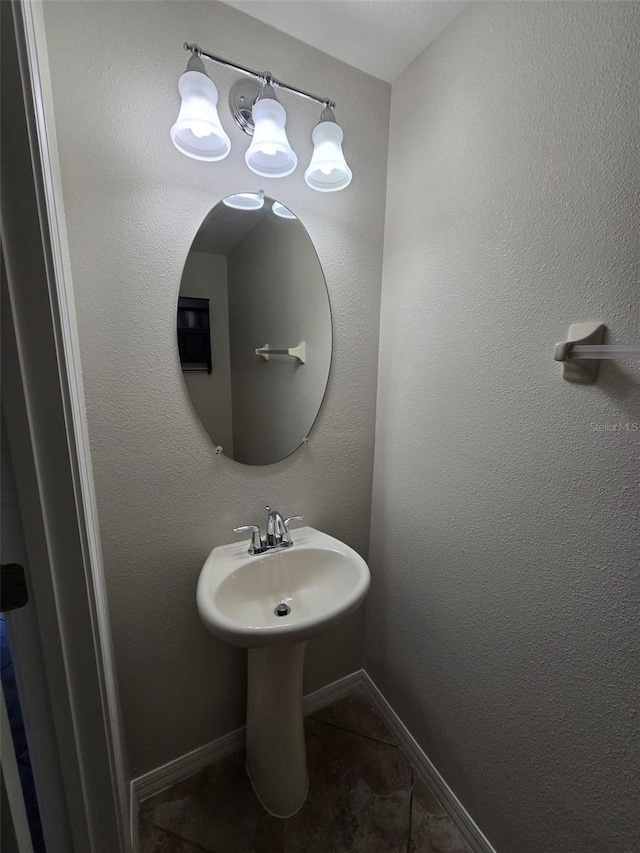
x: 133, y: 205
x: 275, y: 403
x: 503, y: 617
x: 205, y: 277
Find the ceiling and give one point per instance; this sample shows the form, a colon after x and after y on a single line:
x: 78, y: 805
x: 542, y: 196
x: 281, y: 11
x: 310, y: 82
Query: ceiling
x: 381, y: 37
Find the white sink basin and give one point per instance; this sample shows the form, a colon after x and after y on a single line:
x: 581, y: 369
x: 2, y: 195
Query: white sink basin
x: 319, y: 578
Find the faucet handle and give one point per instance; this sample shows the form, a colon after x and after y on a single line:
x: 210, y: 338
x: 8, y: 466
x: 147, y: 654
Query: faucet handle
x: 256, y: 541
x: 287, y: 533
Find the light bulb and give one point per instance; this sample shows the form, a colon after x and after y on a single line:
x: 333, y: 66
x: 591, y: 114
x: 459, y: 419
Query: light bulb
x: 200, y: 129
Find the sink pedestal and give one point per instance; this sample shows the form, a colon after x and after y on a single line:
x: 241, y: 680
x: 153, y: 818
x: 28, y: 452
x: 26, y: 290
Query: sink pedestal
x: 321, y: 581
x: 276, y: 755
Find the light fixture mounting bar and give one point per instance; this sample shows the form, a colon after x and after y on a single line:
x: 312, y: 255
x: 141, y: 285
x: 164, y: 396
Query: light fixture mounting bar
x: 262, y: 76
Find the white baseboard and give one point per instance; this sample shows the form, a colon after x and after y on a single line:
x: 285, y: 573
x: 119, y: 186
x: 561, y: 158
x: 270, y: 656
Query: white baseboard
x: 351, y: 683
x: 459, y: 816
x: 193, y: 762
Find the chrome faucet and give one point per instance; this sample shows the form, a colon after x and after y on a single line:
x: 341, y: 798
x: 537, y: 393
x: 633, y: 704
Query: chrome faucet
x: 278, y: 534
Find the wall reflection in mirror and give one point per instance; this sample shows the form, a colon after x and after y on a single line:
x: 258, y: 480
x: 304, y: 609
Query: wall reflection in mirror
x: 254, y: 329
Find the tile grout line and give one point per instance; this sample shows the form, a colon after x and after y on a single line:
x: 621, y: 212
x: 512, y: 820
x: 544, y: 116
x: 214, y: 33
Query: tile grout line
x: 413, y: 780
x: 197, y: 847
x: 360, y: 734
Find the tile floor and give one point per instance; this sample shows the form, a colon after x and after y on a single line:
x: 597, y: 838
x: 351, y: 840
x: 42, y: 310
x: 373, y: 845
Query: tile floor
x: 364, y: 797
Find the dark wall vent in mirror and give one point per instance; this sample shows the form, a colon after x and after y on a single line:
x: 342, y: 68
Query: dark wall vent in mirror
x: 194, y: 335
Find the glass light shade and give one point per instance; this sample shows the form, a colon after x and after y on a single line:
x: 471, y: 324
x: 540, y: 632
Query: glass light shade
x: 270, y: 154
x: 328, y: 170
x: 244, y: 201
x: 198, y: 132
x: 283, y: 212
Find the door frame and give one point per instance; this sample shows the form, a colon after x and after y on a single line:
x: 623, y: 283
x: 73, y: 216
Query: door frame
x: 46, y: 424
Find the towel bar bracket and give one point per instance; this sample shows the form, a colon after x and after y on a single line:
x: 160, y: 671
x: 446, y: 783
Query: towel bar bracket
x: 584, y: 370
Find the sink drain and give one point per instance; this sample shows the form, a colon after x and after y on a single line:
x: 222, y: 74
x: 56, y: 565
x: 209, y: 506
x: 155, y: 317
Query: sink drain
x: 282, y: 609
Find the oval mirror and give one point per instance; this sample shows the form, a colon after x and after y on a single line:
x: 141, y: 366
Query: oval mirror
x: 254, y: 329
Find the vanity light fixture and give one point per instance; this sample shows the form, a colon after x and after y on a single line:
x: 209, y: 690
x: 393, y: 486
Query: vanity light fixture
x: 198, y: 131
x: 328, y: 170
x: 270, y: 154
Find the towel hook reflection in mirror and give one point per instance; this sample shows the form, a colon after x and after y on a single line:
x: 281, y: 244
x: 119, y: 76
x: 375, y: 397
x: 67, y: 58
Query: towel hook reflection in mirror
x: 299, y: 352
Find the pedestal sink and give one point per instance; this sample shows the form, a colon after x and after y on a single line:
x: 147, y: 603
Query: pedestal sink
x: 272, y: 604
